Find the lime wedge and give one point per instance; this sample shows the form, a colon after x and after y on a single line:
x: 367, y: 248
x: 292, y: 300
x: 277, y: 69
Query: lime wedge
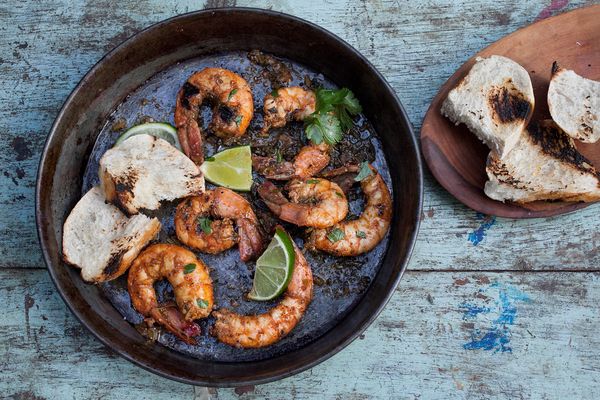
x: 157, y: 129
x: 274, y: 268
x: 231, y: 168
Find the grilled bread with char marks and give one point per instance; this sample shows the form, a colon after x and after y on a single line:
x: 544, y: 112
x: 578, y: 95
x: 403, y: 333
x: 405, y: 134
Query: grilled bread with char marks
x: 544, y: 165
x: 494, y: 101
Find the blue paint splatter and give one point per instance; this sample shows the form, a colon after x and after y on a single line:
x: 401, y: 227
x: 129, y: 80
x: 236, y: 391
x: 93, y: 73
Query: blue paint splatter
x: 487, y: 221
x: 471, y: 310
x: 497, y: 336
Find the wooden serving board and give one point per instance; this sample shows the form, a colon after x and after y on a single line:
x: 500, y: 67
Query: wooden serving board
x: 457, y: 158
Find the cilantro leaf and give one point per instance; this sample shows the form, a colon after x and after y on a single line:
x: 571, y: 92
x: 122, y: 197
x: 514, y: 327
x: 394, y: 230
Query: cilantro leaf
x: 361, y: 235
x: 335, y: 235
x: 332, y: 116
x: 231, y: 94
x: 312, y: 181
x: 205, y: 224
x: 278, y: 156
x: 324, y: 127
x: 365, y: 170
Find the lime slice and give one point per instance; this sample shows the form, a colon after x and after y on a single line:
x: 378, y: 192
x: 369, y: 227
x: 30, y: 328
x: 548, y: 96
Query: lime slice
x: 274, y: 268
x: 157, y: 129
x: 231, y: 168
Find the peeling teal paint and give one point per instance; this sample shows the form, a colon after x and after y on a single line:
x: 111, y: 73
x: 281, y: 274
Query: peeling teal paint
x: 497, y: 335
x: 487, y: 221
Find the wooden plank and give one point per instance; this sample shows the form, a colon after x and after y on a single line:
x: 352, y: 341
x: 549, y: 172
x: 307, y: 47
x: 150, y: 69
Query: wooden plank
x: 443, y: 335
x: 48, y: 46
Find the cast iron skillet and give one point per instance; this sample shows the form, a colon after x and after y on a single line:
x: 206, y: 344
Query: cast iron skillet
x: 122, y: 70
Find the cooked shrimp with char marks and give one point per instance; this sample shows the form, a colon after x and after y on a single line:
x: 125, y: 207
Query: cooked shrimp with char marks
x: 312, y: 202
x: 191, y: 284
x: 363, y: 234
x: 286, y: 104
x: 311, y: 159
x: 253, y: 331
x: 233, y: 108
x: 206, y: 223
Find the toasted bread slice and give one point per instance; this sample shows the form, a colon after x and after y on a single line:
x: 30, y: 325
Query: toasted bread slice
x: 101, y: 240
x: 494, y: 101
x: 574, y: 104
x: 144, y: 170
x: 544, y: 165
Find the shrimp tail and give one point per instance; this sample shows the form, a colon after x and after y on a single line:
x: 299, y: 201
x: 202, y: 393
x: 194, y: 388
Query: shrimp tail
x: 171, y: 318
x: 188, y: 130
x: 281, y: 206
x: 251, y: 240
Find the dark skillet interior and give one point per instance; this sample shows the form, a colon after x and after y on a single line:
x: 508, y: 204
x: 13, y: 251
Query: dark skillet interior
x: 135, y: 82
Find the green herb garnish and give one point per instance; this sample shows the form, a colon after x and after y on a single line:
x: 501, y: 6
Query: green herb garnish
x: 231, y: 94
x: 202, y: 303
x: 189, y: 268
x: 335, y: 235
x: 274, y: 93
x: 238, y: 119
x: 312, y: 181
x: 205, y: 224
x: 332, y: 115
x: 361, y: 234
x: 278, y: 156
x: 365, y: 170
x: 338, y: 194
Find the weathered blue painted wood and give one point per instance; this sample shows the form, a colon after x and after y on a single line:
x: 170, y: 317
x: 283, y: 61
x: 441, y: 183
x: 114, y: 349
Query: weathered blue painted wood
x: 445, y: 334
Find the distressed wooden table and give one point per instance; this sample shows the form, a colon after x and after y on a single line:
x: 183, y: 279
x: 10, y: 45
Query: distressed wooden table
x: 489, y: 308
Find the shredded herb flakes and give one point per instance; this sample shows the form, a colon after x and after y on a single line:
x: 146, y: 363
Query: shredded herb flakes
x: 189, y: 268
x: 365, y: 170
x: 231, y: 94
x: 205, y: 224
x: 202, y: 303
x: 335, y: 235
x: 361, y: 235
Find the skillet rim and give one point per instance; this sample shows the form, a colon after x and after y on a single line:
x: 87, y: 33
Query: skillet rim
x: 268, y: 376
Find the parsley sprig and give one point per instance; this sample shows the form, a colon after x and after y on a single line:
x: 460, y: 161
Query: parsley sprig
x: 332, y: 116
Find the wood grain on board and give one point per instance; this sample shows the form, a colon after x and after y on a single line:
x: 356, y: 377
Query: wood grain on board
x: 416, y: 348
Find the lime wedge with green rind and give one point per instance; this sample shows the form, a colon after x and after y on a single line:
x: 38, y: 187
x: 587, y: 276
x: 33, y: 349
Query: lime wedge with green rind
x: 157, y: 129
x: 274, y: 268
x: 231, y: 168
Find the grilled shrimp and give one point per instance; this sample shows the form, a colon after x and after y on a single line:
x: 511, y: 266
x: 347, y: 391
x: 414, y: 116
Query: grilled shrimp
x: 310, y: 161
x: 205, y: 223
x: 362, y: 234
x: 314, y: 202
x: 191, y: 283
x: 253, y: 331
x: 233, y: 108
x: 285, y: 104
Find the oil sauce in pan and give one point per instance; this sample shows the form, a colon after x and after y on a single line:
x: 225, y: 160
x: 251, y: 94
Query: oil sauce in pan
x: 340, y: 282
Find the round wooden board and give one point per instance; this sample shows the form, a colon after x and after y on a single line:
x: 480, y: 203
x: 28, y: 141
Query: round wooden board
x: 457, y: 158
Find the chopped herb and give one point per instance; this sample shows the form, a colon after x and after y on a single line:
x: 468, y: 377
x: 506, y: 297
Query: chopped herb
x: 278, y: 156
x: 202, y: 303
x: 231, y: 94
x: 209, y: 159
x: 365, y: 170
x: 238, y: 119
x: 189, y: 268
x: 335, y: 235
x: 332, y: 115
x: 205, y: 224
x: 274, y: 93
x: 361, y: 234
x: 338, y: 194
x: 312, y: 181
